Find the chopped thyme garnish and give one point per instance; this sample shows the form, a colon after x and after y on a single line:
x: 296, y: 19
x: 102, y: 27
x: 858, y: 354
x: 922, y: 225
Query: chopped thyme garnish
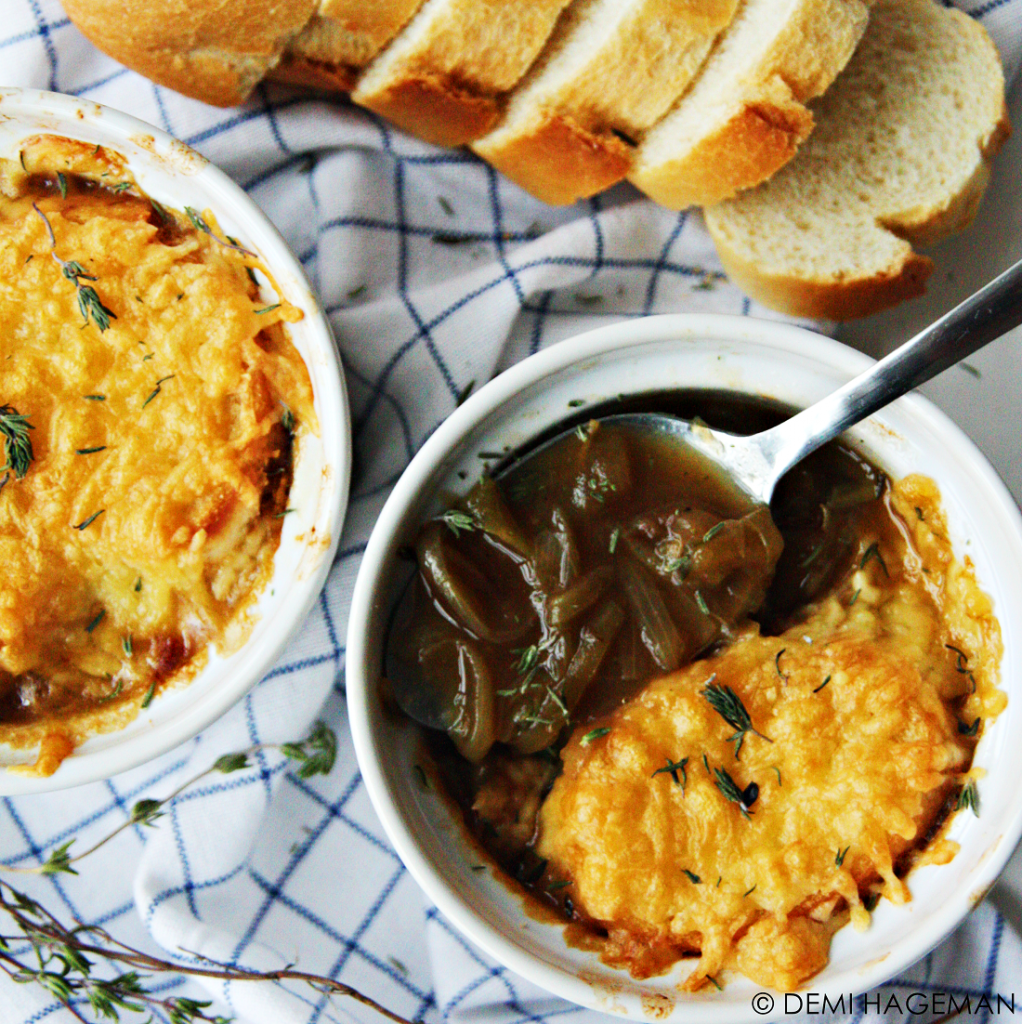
x: 554, y: 886
x: 581, y: 433
x: 692, y: 876
x: 672, y: 768
x: 870, y: 901
x: 160, y: 212
x: 777, y: 664
x: 62, y: 184
x: 148, y: 698
x: 969, y: 730
x: 96, y: 621
x: 706, y: 764
x: 969, y: 797
x: 716, y: 984
x: 749, y: 892
x: 14, y: 428
x: 614, y: 537
x: 919, y: 514
x: 701, y: 601
x: 85, y: 522
x: 287, y: 511
x: 822, y: 685
x: 89, y: 302
x: 961, y: 659
x: 267, y: 309
x: 777, y: 770
x: 873, y: 551
x: 729, y: 706
x: 121, y: 186
x: 729, y: 789
x: 126, y: 645
x: 90, y: 451
x: 138, y: 584
x: 841, y: 854
x: 201, y: 225
x: 855, y: 597
x: 457, y: 521
x: 594, y: 734
x: 156, y: 390
x: 116, y: 692
x: 94, y: 398
x: 712, y: 532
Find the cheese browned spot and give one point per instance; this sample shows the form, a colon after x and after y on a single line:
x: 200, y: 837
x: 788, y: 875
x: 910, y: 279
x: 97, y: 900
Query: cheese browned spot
x: 151, y: 510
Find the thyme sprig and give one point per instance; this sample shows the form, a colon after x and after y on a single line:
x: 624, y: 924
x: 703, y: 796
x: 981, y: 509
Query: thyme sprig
x: 458, y: 521
x: 315, y: 756
x: 89, y: 302
x: 200, y: 225
x: 63, y: 958
x: 672, y: 768
x: 969, y: 797
x: 729, y: 706
x: 14, y: 428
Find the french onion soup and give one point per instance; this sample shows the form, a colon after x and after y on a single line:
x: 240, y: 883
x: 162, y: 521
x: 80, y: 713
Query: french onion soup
x: 691, y: 728
x: 150, y: 400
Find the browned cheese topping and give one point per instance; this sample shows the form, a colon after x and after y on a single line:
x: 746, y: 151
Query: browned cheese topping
x: 150, y: 400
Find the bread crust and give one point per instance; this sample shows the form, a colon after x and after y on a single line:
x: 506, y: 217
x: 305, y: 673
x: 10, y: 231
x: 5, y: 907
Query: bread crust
x: 559, y: 161
x: 195, y: 47
x: 846, y: 299
x: 755, y: 143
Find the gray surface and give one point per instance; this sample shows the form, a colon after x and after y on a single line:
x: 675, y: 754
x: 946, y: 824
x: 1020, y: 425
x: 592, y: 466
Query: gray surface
x: 987, y: 407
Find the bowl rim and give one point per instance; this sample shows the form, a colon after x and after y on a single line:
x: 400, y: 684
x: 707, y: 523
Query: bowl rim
x: 148, y: 148
x: 617, y: 337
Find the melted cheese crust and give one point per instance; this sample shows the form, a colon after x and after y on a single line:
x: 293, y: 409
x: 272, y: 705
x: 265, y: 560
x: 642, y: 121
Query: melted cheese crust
x: 184, y: 393
x: 859, y: 704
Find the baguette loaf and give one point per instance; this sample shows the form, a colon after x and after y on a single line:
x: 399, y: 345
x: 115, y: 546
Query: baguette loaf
x: 611, y: 69
x: 901, y: 156
x: 745, y: 116
x: 444, y: 76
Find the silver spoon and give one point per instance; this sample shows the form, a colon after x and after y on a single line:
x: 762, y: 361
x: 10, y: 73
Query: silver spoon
x: 757, y: 462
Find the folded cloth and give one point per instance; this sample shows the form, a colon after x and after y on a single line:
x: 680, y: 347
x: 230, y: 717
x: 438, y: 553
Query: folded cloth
x: 436, y: 274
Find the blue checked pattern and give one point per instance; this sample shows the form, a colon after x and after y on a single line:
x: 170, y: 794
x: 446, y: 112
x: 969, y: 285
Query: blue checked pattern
x: 436, y: 274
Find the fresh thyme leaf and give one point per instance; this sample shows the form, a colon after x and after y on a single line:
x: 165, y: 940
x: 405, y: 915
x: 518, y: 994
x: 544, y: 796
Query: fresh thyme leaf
x: 969, y: 730
x: 121, y: 186
x: 59, y: 861
x: 94, y: 398
x: 701, y: 601
x: 692, y: 876
x: 716, y: 984
x: 126, y: 645
x: 870, y: 901
x: 729, y: 706
x: 576, y: 403
x: 729, y: 789
x: 712, y: 532
x: 86, y: 522
x: 316, y: 754
x: 961, y: 659
x: 822, y: 685
x: 231, y: 763
x: 145, y: 812
x: 554, y: 886
x: 457, y: 521
x: 841, y: 854
x: 969, y: 797
x: 197, y: 221
x: 90, y: 451
x: 873, y: 551
x: 138, y: 584
x: 581, y: 433
x: 96, y: 621
x: 855, y: 597
x: 594, y: 734
x: 919, y: 514
x: 62, y: 184
x: 672, y: 768
x: 116, y: 692
x: 749, y: 892
x: 614, y: 539
x: 156, y: 390
x: 161, y: 213
x: 706, y: 764
x: 777, y: 770
x: 267, y: 309
x: 14, y: 428
x: 147, y: 699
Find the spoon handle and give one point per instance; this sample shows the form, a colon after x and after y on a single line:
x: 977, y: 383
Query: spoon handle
x: 980, y: 319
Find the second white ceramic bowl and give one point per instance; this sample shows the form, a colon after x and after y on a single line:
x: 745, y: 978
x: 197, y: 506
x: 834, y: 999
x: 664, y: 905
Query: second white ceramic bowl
x: 712, y: 352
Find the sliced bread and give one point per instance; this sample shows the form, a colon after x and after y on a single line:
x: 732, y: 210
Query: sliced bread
x: 340, y: 39
x: 190, y: 45
x: 444, y: 75
x: 612, y: 68
x: 745, y: 116
x: 901, y: 156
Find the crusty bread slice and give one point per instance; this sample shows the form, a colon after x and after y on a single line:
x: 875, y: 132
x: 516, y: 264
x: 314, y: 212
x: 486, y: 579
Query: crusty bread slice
x: 444, y: 76
x: 745, y: 116
x: 191, y: 46
x: 901, y: 156
x: 340, y: 39
x: 612, y: 68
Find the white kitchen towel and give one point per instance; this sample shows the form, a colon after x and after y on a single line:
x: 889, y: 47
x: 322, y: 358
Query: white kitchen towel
x: 436, y: 274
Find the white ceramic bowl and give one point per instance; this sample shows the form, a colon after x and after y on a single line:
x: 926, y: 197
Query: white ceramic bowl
x: 714, y: 352
x: 177, y: 176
